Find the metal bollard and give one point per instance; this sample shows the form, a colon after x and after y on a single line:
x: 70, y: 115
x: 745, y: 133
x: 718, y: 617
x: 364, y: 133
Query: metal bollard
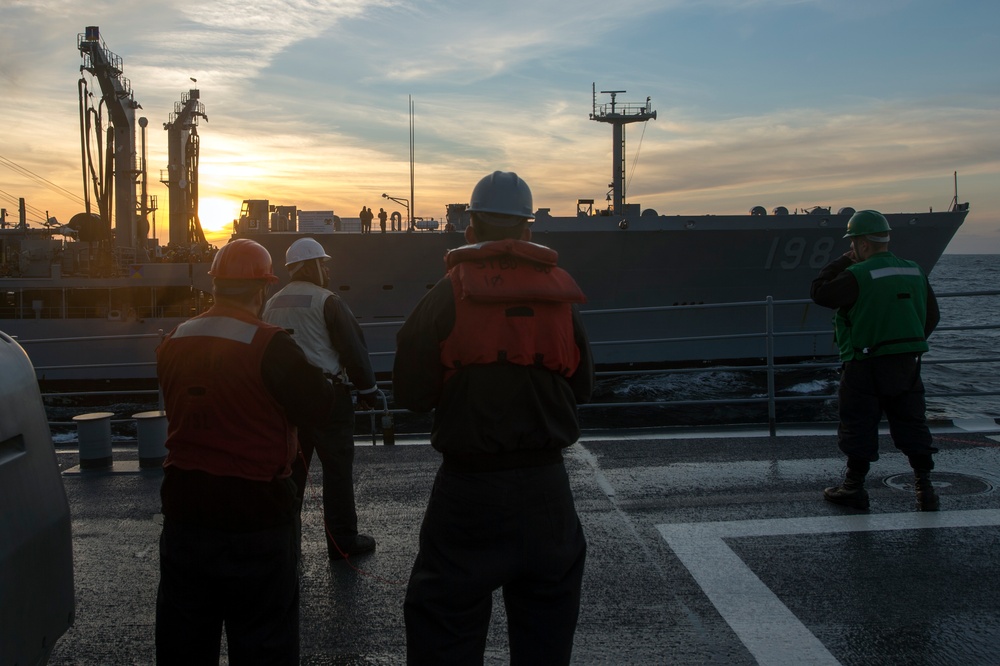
x: 388, y: 430
x: 93, y: 432
x: 151, y: 431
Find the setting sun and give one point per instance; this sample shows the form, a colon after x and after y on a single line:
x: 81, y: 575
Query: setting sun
x: 217, y: 215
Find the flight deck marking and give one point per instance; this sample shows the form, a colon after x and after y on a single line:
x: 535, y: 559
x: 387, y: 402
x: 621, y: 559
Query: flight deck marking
x: 768, y: 629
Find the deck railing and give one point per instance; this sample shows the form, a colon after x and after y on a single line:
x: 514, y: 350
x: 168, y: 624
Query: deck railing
x: 95, y: 312
x: 769, y: 368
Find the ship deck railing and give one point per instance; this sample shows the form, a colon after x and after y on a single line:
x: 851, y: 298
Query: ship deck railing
x: 96, y: 312
x: 770, y: 368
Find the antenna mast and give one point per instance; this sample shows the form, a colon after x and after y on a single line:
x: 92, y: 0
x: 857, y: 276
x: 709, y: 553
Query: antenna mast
x: 619, y: 116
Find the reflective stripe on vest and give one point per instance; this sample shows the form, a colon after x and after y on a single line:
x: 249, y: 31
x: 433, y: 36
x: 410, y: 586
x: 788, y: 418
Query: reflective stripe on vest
x: 217, y: 327
x: 895, y: 270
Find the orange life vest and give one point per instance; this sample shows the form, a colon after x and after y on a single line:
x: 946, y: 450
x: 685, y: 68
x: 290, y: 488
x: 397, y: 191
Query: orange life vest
x: 512, y: 305
x: 220, y: 417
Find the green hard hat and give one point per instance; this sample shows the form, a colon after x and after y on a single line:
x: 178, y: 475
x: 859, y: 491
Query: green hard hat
x: 867, y: 223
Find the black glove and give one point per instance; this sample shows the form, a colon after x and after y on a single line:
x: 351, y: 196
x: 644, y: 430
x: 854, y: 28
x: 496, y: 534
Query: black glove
x: 366, y: 402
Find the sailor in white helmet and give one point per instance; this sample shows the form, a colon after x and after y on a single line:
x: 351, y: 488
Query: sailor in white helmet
x: 329, y: 334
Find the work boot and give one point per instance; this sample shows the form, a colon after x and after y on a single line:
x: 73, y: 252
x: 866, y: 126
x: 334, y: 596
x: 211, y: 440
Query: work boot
x: 850, y: 493
x: 927, y: 499
x: 352, y: 545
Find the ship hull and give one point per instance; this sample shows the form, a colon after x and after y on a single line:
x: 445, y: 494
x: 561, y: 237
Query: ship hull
x: 79, y: 328
x: 660, y: 292
x: 694, y: 267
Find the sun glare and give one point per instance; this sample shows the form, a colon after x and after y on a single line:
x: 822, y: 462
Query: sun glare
x: 217, y: 213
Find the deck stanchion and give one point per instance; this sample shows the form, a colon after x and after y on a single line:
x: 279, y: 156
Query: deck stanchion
x: 93, y: 432
x: 151, y: 432
x: 772, y: 413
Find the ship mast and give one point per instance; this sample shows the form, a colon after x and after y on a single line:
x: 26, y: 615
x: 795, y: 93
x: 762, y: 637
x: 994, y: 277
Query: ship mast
x: 117, y: 97
x: 182, y: 169
x: 619, y: 115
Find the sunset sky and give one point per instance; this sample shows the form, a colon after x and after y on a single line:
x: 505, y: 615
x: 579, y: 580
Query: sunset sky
x: 863, y: 103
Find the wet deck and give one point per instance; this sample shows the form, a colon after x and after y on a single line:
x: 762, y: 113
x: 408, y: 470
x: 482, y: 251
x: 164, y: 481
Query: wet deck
x: 703, y: 548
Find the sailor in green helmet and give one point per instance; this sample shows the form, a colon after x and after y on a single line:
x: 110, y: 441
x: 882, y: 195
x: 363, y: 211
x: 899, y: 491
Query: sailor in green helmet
x: 885, y: 311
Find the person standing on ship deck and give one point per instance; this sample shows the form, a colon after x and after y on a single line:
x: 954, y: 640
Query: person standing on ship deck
x: 325, y: 328
x: 382, y: 217
x: 234, y: 388
x: 886, y: 310
x: 498, y: 351
x: 365, y: 222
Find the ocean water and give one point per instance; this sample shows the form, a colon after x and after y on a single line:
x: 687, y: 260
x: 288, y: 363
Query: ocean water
x: 812, y: 387
x: 962, y: 274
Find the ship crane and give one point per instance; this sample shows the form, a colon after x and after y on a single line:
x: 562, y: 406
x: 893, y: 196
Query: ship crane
x: 181, y: 179
x: 619, y: 115
x: 117, y: 171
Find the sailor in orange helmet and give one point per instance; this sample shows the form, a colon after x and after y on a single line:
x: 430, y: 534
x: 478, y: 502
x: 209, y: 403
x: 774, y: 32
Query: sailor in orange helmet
x: 235, y: 388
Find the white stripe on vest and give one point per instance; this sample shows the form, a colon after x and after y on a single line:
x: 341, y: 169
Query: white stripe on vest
x: 217, y: 327
x: 890, y: 271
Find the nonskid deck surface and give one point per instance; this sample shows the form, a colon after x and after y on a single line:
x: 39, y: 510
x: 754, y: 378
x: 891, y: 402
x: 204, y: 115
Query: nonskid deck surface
x: 704, y: 547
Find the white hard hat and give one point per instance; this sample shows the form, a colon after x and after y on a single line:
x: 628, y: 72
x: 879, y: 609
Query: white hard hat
x: 304, y: 249
x: 502, y: 192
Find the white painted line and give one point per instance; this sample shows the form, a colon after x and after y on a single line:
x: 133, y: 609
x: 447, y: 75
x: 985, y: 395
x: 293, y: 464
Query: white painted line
x: 768, y: 629
x: 983, y: 424
x: 588, y: 456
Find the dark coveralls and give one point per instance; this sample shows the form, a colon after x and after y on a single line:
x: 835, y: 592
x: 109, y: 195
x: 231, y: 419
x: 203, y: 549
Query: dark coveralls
x: 869, y: 387
x: 501, y: 513
x: 228, y: 550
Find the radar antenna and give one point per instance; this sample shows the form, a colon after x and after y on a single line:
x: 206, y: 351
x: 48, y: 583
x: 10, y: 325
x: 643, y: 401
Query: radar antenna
x: 619, y: 116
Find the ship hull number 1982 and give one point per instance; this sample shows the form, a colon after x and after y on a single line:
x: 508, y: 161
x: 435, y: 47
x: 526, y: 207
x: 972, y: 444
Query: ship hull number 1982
x: 790, y: 253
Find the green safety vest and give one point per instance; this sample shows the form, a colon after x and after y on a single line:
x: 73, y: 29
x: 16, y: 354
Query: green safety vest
x: 890, y: 313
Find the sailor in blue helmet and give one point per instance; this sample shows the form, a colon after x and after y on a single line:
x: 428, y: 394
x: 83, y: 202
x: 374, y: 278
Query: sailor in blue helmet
x: 885, y: 311
x: 498, y: 350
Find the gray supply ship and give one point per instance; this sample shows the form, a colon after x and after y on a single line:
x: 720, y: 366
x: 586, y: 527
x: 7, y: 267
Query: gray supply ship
x: 660, y: 288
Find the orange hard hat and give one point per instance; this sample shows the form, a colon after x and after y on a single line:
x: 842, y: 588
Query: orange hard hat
x: 243, y: 259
